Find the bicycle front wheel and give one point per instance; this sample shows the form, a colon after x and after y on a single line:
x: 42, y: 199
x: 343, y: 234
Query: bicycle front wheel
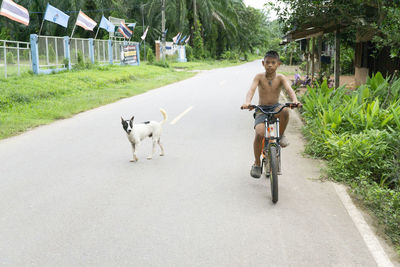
x: 273, y: 172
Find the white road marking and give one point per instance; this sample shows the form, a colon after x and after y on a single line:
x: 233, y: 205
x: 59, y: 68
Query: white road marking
x: 181, y: 115
x: 369, y: 237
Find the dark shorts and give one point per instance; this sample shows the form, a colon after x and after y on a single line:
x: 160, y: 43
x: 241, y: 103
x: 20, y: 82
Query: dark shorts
x: 260, y: 117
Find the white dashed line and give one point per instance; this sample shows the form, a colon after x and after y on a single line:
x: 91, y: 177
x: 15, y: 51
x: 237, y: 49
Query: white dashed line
x: 181, y: 115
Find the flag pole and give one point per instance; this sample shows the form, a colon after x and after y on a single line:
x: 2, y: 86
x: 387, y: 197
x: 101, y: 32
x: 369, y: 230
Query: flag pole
x: 73, y: 30
x: 41, y: 26
x: 98, y: 28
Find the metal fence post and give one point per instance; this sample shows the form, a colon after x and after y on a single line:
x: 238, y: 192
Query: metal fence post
x: 110, y: 51
x: 91, y: 50
x: 34, y: 53
x: 5, y: 60
x: 67, y: 54
x: 138, y: 53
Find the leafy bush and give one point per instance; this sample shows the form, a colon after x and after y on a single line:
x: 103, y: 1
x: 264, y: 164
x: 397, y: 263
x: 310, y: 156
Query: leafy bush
x: 189, y: 53
x: 161, y: 63
x: 150, y: 55
x: 198, y: 46
x: 358, y: 133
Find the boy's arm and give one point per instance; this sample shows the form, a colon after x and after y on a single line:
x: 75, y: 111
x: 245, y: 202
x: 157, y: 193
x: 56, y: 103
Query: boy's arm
x: 251, y: 92
x: 289, y: 90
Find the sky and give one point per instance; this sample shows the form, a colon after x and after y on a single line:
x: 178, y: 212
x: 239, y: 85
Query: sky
x: 260, y: 4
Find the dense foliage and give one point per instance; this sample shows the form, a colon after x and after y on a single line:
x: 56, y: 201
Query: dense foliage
x: 358, y: 132
x: 379, y: 17
x: 223, y: 24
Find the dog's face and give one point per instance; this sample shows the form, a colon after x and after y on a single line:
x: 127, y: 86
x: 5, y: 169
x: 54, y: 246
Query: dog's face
x: 127, y: 124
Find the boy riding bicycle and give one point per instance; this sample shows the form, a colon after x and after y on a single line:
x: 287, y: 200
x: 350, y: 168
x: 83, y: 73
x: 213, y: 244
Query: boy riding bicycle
x: 269, y: 88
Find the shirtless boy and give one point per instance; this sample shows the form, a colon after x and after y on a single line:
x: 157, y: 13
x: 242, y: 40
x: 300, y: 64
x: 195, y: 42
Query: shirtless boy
x: 269, y: 88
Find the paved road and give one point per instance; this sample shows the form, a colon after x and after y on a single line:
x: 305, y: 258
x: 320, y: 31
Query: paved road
x: 70, y: 197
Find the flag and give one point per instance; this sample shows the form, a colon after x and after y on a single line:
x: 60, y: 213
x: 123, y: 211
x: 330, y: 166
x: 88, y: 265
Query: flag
x: 15, y: 12
x: 57, y: 16
x: 183, y: 39
x: 85, y: 22
x: 106, y: 24
x: 179, y: 38
x: 145, y: 33
x: 187, y: 40
x: 132, y: 25
x: 124, y: 30
x: 176, y: 37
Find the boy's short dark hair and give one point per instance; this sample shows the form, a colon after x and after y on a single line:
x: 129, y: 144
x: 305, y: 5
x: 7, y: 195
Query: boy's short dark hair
x: 272, y: 54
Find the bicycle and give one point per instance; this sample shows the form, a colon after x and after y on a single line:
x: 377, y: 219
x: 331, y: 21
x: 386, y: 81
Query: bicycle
x: 271, y: 153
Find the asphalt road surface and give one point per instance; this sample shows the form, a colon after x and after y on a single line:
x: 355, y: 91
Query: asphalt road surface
x: 69, y: 196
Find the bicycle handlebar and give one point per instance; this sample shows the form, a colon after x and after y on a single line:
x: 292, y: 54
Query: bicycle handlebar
x: 286, y: 105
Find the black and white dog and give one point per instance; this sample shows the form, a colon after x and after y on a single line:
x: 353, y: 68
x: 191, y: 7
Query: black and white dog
x: 137, y: 132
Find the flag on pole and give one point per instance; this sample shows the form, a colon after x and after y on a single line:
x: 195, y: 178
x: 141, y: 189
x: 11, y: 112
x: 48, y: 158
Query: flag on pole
x: 132, y: 25
x: 176, y: 37
x: 14, y: 12
x: 182, y: 39
x: 187, y: 40
x: 106, y: 24
x: 57, y: 16
x: 85, y: 22
x: 124, y: 30
x: 145, y: 33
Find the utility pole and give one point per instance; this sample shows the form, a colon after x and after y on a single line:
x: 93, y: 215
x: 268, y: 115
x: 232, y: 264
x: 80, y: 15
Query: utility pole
x: 195, y: 14
x: 144, y: 42
x: 163, y: 30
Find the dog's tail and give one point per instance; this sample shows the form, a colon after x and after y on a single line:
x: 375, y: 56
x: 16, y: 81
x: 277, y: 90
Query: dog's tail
x: 164, y: 113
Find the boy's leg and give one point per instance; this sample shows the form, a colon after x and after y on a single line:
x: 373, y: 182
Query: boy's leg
x: 259, y: 136
x: 283, y: 119
x: 283, y: 122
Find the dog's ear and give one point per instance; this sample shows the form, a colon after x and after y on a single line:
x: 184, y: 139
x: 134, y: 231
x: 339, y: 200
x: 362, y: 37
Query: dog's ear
x: 122, y: 120
x: 131, y: 121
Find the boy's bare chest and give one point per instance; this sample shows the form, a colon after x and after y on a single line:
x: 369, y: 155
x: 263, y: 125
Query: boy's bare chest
x: 269, y: 86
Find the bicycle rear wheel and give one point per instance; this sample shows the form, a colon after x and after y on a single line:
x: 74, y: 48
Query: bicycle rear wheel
x: 273, y: 171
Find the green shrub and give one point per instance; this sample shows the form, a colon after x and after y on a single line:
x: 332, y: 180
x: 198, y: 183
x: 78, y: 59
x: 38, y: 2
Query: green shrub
x: 358, y: 132
x: 161, y: 63
x: 150, y: 55
x: 189, y: 53
x: 198, y: 46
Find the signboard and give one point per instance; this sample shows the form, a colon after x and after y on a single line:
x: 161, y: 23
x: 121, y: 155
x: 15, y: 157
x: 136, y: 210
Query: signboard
x: 129, y: 54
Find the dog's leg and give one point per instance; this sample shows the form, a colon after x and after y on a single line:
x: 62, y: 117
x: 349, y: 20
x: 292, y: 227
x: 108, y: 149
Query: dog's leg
x: 161, y: 147
x: 153, y: 151
x: 135, y: 158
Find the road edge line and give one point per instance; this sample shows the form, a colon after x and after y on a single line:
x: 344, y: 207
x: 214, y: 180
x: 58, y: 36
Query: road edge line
x: 378, y: 253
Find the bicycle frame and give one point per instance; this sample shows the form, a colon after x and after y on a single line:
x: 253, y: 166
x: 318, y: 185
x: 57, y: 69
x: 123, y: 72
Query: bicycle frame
x: 271, y: 137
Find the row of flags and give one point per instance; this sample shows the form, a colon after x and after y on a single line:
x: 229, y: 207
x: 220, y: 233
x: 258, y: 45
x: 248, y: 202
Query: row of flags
x: 180, y: 39
x: 20, y: 14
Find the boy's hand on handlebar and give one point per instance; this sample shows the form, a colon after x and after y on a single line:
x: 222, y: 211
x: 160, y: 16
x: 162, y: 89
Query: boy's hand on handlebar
x: 247, y: 106
x: 296, y: 104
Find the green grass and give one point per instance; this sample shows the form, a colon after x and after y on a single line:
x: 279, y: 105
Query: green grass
x: 12, y: 70
x: 31, y: 100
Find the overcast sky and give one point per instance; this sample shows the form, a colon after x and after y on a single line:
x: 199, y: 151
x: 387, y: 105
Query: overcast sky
x: 260, y: 5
